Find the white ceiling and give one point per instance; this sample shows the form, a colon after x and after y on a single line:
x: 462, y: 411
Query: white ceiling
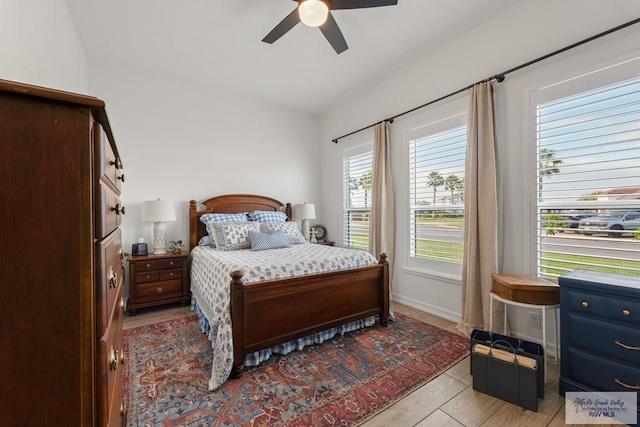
x: 217, y: 43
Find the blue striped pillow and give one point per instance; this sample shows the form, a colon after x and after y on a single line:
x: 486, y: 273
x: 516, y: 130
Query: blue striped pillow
x: 261, y: 241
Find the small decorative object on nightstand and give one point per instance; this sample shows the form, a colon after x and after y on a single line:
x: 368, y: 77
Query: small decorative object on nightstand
x: 157, y: 279
x: 319, y: 232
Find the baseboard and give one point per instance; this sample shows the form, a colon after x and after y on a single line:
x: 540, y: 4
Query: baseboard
x: 428, y: 308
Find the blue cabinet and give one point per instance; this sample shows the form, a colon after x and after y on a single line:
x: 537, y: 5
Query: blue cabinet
x: 600, y: 332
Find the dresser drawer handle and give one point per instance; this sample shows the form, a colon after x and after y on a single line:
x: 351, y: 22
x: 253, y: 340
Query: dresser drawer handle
x: 147, y: 266
x: 122, y: 358
x: 629, y: 386
x: 113, y: 363
x: 585, y: 304
x: 170, y: 262
x: 148, y: 276
x: 171, y: 274
x: 159, y: 290
x: 626, y: 312
x: 113, y: 278
x: 123, y: 304
x: 123, y: 410
x: 121, y: 177
x: 628, y: 347
x: 121, y: 253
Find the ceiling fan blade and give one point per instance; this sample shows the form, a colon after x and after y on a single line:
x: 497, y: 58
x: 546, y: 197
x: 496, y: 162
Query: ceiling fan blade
x: 333, y: 34
x: 283, y: 27
x: 358, y: 4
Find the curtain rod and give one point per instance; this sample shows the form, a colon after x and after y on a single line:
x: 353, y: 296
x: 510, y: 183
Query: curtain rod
x: 498, y: 77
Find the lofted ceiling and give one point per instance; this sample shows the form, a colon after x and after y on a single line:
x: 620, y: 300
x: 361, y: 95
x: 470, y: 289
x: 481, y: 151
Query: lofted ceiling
x: 217, y: 43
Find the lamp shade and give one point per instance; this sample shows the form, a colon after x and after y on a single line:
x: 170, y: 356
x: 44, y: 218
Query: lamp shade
x: 313, y: 13
x: 158, y: 211
x: 305, y: 211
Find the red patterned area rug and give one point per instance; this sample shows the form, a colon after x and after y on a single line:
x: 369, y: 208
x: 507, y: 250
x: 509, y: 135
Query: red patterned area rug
x: 343, y: 381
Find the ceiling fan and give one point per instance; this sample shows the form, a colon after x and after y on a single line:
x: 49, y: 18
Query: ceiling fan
x: 317, y: 13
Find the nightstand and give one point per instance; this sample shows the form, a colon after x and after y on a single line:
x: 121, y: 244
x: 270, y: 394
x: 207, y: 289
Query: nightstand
x: 327, y: 243
x: 157, y: 279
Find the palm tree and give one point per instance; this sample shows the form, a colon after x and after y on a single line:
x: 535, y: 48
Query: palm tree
x: 547, y: 166
x: 451, y: 183
x: 460, y: 189
x: 365, y: 183
x: 435, y: 180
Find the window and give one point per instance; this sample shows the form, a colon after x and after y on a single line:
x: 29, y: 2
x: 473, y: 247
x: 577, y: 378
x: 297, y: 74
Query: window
x: 588, y: 174
x: 437, y: 154
x: 357, y: 166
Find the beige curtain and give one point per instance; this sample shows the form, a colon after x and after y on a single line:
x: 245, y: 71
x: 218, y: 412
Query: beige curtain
x: 382, y: 220
x: 483, y: 210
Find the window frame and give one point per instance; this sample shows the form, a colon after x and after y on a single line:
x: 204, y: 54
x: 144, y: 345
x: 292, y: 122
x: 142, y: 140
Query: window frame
x: 447, y: 116
x: 575, y: 85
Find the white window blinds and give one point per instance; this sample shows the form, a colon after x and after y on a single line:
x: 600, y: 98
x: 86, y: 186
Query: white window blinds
x: 357, y: 167
x: 588, y: 178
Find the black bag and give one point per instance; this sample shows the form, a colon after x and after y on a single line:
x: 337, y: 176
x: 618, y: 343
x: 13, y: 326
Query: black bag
x: 523, y: 348
x: 509, y: 380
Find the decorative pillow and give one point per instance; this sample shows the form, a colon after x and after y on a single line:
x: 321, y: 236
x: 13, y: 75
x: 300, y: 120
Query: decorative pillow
x: 268, y: 216
x: 205, y: 241
x: 290, y: 230
x: 230, y: 236
x: 261, y: 241
x: 221, y: 217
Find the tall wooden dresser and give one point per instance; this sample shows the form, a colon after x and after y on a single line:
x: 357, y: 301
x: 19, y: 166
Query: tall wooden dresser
x: 600, y: 332
x: 61, y: 309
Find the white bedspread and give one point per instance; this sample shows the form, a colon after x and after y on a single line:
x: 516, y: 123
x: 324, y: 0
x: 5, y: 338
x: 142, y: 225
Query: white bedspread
x: 210, y: 284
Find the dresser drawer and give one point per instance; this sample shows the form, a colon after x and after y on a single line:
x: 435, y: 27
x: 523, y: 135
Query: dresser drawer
x: 109, y: 278
x: 619, y: 342
x: 603, y: 374
x: 109, y: 211
x: 176, y: 273
x: 586, y: 303
x: 109, y: 369
x: 107, y: 165
x: 159, y: 290
x: 625, y: 312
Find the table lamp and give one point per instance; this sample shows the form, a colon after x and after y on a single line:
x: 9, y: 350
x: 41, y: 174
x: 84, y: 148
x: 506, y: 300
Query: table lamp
x: 305, y: 212
x: 159, y: 211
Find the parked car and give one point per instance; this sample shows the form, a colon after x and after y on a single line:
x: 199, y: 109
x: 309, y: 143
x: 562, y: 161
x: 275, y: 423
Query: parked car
x: 614, y: 225
x: 573, y: 221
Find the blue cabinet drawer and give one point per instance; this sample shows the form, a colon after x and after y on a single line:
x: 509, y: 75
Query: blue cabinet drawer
x: 621, y: 343
x: 587, y: 303
x: 624, y: 311
x: 602, y: 374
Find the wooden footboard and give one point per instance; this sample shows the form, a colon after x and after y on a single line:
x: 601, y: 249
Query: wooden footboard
x: 273, y: 312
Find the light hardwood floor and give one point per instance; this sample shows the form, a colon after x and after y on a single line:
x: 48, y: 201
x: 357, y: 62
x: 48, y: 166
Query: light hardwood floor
x: 447, y: 400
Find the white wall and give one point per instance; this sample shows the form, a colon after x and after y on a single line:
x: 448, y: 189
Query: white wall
x: 181, y: 141
x: 527, y: 31
x: 39, y: 45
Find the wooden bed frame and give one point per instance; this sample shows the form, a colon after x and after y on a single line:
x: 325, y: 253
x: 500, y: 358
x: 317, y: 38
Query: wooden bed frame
x: 313, y: 302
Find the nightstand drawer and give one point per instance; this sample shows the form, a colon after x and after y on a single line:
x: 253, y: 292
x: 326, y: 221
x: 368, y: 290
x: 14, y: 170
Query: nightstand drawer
x: 171, y: 263
x: 619, y: 342
x: 176, y: 273
x: 148, y: 265
x: 147, y: 276
x: 159, y: 290
x: 601, y: 374
x: 586, y: 303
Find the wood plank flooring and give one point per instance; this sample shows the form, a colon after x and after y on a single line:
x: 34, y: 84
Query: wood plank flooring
x: 447, y: 400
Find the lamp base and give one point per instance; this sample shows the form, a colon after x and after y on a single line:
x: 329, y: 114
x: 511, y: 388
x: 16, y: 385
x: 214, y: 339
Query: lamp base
x: 159, y: 238
x: 305, y: 229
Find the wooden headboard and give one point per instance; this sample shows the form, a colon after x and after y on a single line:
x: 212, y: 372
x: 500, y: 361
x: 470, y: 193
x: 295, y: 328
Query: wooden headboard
x: 229, y: 203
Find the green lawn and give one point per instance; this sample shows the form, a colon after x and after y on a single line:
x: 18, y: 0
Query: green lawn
x: 558, y: 264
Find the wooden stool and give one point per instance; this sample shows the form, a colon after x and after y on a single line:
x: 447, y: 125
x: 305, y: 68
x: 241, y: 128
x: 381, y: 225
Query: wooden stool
x: 530, y: 292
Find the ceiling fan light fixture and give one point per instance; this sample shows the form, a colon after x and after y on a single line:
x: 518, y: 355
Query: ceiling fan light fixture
x: 313, y: 13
